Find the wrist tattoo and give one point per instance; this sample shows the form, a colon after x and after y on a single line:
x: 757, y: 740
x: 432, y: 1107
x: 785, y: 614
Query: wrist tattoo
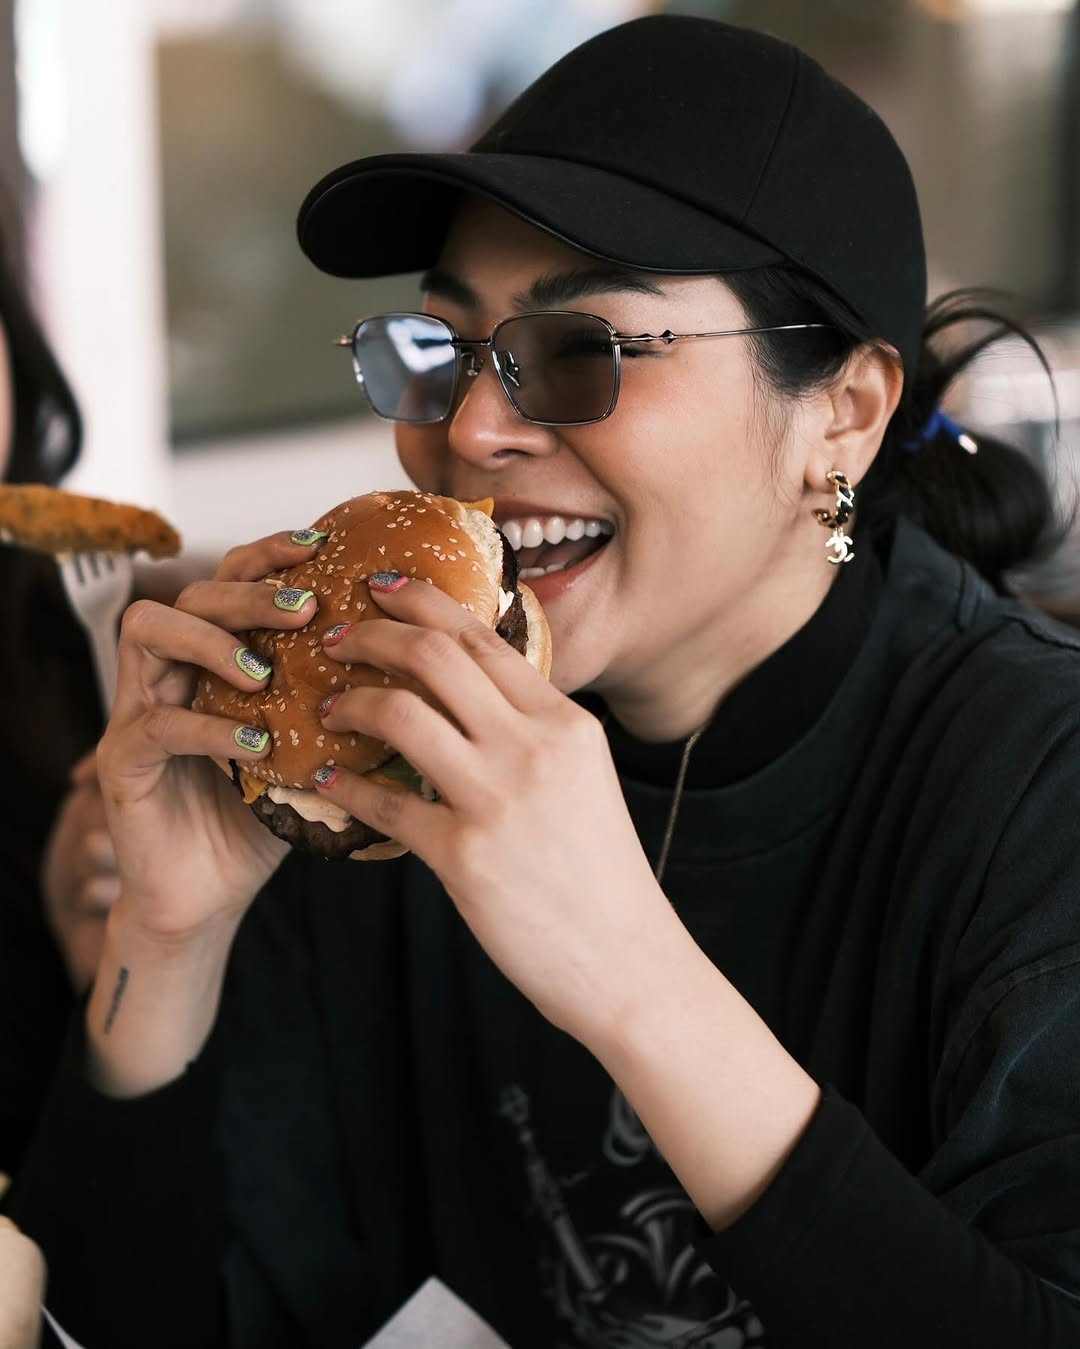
x: 118, y: 993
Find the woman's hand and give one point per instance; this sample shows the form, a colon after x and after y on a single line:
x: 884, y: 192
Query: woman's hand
x: 532, y: 839
x: 530, y: 834
x: 187, y: 848
x: 79, y: 880
x: 190, y: 855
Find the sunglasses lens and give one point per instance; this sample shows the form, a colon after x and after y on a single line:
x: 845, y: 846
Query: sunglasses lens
x: 408, y: 365
x: 557, y: 368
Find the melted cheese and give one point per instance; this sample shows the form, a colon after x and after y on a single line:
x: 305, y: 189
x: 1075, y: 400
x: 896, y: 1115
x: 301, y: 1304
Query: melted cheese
x: 253, y: 787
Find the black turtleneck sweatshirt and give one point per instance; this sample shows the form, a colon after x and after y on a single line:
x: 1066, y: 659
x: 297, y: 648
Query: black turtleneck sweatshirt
x: 877, y: 844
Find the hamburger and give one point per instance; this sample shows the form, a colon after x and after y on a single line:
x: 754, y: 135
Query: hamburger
x: 450, y: 544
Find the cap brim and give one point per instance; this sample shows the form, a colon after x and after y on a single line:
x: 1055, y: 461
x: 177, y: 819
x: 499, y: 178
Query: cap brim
x: 390, y: 214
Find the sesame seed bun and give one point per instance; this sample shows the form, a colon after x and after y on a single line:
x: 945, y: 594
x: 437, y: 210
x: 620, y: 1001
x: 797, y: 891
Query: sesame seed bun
x: 430, y: 538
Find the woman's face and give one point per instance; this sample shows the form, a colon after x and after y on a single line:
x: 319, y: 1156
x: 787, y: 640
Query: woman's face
x: 7, y: 404
x: 699, y: 496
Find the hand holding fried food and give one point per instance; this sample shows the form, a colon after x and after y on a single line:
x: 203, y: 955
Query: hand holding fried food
x: 51, y: 520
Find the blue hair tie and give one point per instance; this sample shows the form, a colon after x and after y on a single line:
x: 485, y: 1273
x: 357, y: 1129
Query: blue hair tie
x: 938, y: 422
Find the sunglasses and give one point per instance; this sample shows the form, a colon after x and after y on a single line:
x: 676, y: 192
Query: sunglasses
x: 557, y: 367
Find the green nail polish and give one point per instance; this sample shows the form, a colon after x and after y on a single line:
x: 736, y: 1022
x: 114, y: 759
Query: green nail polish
x: 252, y: 664
x: 304, y: 537
x: 250, y: 737
x: 291, y: 598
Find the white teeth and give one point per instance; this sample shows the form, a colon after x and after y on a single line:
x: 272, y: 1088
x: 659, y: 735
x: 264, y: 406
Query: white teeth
x: 526, y: 573
x: 532, y: 534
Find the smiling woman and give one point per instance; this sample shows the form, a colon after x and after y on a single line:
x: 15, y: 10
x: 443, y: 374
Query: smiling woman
x: 725, y: 995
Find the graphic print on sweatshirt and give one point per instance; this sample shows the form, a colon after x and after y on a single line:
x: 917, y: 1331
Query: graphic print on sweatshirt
x: 618, y: 1262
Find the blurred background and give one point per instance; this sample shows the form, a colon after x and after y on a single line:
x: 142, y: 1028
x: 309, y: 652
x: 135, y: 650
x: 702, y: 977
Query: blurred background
x: 155, y: 161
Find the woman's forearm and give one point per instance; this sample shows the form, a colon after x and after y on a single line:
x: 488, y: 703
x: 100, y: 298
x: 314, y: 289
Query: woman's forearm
x: 153, y: 1003
x: 719, y: 1095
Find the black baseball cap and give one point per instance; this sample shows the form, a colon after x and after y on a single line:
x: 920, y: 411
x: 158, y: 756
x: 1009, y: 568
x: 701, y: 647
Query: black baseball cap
x: 671, y: 144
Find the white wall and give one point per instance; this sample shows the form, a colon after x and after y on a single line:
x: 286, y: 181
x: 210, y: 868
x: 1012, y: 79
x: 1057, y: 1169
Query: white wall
x: 97, y: 279
x: 95, y: 238
x: 238, y: 490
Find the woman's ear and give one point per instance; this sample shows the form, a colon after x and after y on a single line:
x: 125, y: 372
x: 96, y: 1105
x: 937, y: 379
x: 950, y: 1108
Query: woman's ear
x: 857, y: 408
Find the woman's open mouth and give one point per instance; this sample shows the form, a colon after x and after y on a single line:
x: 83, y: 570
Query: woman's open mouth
x: 548, y: 544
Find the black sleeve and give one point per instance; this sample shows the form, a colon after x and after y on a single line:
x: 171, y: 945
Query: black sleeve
x: 982, y: 1246
x: 848, y: 1248
x: 36, y: 1002
x: 125, y: 1199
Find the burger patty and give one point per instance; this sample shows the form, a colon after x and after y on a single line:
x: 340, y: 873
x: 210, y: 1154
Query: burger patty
x: 513, y: 627
x: 312, y: 835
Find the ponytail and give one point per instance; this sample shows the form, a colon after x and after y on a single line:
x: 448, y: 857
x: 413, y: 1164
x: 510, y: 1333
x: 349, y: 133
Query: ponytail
x: 995, y: 507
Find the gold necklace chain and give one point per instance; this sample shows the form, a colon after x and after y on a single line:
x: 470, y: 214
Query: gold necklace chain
x: 676, y: 802
x: 676, y: 796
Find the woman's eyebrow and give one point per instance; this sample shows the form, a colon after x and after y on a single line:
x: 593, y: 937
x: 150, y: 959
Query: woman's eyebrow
x: 547, y: 291
x: 556, y: 288
x: 446, y: 286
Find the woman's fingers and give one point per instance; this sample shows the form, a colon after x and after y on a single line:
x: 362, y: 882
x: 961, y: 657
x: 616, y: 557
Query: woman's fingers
x: 165, y: 732
x: 154, y: 639
x: 432, y: 744
x: 240, y: 605
x: 253, y: 561
x: 431, y: 658
x: 443, y: 646
x: 403, y: 816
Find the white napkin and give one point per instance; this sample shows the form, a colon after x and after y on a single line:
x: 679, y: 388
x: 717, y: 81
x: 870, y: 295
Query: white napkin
x: 435, y: 1318
x: 62, y: 1335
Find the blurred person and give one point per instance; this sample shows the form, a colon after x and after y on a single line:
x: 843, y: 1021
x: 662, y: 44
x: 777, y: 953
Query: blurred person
x: 57, y: 872
x: 730, y: 995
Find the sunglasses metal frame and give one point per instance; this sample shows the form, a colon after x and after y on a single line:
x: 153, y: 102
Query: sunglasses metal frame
x: 468, y: 346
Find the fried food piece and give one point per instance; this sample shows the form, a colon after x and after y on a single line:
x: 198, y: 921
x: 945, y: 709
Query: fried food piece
x: 54, y: 521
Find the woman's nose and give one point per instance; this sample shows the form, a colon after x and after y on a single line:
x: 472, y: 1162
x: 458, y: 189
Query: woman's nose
x: 484, y: 427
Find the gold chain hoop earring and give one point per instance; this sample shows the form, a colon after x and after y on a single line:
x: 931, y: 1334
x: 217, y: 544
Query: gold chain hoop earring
x: 838, y: 545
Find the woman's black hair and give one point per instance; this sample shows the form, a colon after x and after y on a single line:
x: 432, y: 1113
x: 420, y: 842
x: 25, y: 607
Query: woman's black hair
x: 994, y: 508
x: 47, y: 430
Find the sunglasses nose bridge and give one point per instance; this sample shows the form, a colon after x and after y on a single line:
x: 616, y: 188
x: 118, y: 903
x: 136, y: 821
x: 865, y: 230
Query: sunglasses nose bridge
x: 472, y: 355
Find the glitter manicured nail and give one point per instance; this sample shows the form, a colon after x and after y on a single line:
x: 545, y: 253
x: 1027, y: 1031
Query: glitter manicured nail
x: 327, y: 703
x: 324, y: 776
x: 306, y: 537
x: 386, y: 580
x: 251, y: 737
x: 252, y: 664
x: 335, y: 634
x: 291, y: 598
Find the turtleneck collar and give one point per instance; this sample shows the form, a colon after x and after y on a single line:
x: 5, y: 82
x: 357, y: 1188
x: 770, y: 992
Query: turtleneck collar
x: 776, y: 703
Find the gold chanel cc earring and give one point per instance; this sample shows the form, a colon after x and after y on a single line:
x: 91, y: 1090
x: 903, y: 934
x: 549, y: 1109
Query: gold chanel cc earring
x: 838, y: 545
